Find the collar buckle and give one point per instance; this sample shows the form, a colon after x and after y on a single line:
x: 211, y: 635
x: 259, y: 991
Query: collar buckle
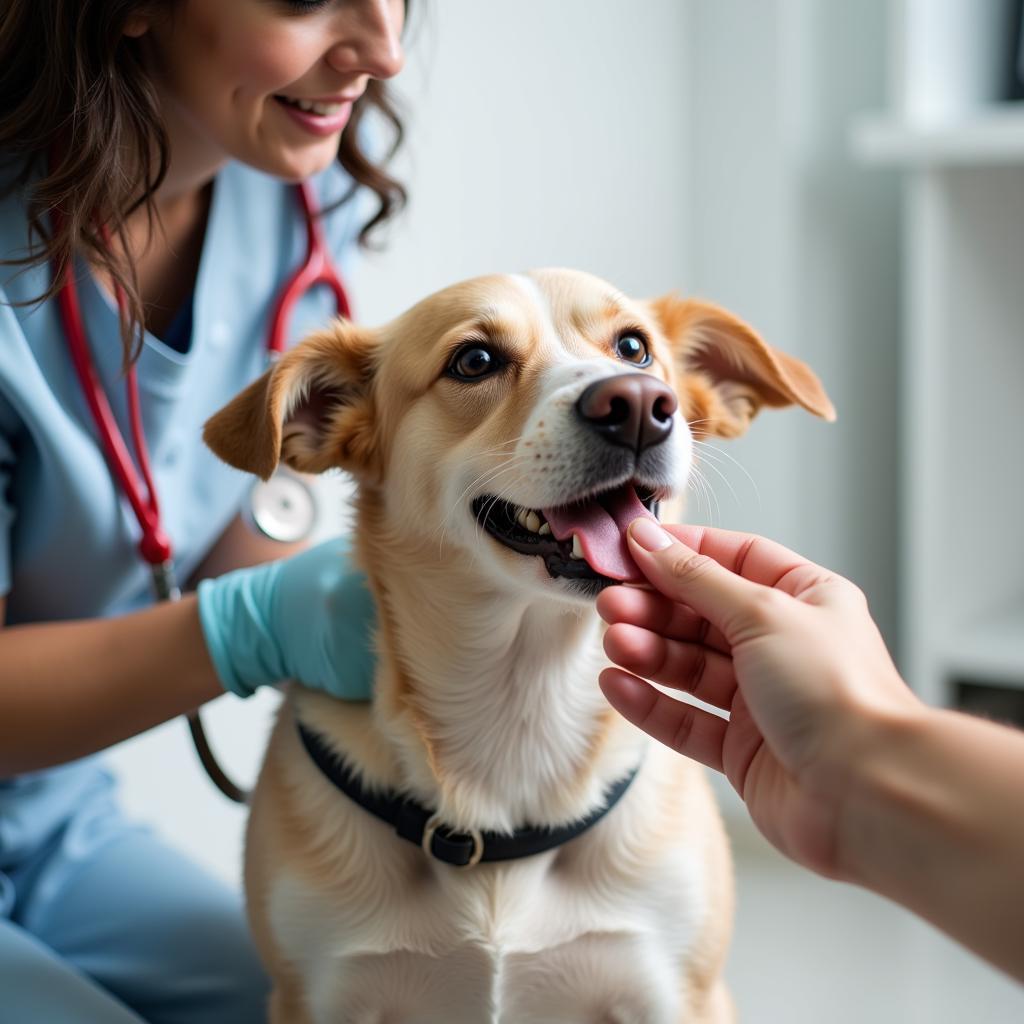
x: 453, y: 841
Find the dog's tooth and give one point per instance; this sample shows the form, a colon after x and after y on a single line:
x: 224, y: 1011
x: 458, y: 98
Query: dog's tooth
x: 577, y: 548
x: 521, y: 518
x: 532, y: 522
x: 544, y: 530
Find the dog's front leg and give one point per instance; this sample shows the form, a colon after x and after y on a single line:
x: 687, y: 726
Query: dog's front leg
x: 287, y: 1006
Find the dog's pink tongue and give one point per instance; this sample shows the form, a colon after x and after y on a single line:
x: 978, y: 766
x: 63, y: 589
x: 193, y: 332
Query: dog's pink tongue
x: 601, y: 525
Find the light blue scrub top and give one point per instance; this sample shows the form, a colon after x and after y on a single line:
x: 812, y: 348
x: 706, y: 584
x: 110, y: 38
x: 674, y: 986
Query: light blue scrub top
x: 68, y: 539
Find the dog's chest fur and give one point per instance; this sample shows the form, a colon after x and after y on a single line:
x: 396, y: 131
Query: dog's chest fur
x: 379, y: 933
x: 503, y: 724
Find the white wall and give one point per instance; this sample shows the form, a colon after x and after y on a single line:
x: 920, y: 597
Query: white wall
x: 540, y: 133
x: 790, y: 233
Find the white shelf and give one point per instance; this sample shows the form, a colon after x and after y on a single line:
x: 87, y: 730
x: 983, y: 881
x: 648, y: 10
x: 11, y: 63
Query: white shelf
x: 962, y: 360
x: 991, y: 652
x: 991, y: 136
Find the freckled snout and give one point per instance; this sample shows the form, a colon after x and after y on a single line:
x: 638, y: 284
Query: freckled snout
x: 633, y: 410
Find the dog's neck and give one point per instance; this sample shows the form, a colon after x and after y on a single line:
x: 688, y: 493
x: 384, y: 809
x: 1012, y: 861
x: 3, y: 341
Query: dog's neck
x: 489, y: 696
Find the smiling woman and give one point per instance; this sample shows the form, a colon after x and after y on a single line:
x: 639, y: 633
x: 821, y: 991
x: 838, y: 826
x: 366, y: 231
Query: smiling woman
x: 268, y: 83
x: 148, y: 219
x: 165, y: 93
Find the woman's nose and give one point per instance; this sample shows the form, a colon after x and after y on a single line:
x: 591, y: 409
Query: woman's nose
x: 372, y: 43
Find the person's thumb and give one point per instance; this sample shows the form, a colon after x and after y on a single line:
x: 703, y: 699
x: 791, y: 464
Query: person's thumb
x: 698, y: 581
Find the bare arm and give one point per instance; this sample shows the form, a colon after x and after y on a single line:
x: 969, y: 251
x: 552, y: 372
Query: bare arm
x: 933, y: 821
x: 69, y: 689
x: 239, y: 545
x: 839, y: 764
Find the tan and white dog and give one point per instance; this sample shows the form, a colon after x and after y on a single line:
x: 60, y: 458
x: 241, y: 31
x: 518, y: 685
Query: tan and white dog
x: 503, y: 432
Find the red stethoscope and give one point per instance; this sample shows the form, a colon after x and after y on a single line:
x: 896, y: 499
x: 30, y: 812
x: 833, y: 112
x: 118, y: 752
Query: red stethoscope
x: 283, y: 507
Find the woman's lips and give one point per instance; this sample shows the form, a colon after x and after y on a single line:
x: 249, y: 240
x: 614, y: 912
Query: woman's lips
x: 318, y: 124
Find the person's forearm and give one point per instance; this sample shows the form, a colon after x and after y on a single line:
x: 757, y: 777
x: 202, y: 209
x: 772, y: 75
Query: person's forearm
x: 935, y: 823
x: 241, y: 544
x: 69, y: 689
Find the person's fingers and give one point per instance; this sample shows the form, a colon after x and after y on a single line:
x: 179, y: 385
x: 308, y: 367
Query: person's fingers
x: 686, y: 729
x: 706, y: 674
x: 654, y: 611
x: 741, y: 745
x: 735, y: 605
x: 754, y: 558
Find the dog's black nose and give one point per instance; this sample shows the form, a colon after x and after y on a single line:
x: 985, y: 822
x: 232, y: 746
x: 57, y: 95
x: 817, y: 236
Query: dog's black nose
x: 633, y: 410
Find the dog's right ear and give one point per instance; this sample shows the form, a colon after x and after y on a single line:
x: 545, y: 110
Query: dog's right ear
x: 311, y: 410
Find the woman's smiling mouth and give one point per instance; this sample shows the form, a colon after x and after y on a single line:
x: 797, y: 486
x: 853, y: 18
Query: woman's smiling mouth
x: 319, y: 117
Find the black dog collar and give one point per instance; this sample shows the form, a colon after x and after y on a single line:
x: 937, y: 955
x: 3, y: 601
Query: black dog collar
x: 412, y: 821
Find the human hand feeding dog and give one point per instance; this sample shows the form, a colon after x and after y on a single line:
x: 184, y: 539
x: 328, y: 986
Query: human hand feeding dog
x: 787, y: 647
x: 503, y: 433
x: 841, y: 766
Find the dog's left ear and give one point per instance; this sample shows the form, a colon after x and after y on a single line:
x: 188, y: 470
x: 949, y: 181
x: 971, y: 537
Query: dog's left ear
x: 728, y: 372
x: 311, y: 410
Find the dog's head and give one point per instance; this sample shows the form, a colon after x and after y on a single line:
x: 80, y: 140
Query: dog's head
x: 519, y: 420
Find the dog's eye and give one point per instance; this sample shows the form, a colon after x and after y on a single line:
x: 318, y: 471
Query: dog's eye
x: 474, y: 361
x: 632, y: 348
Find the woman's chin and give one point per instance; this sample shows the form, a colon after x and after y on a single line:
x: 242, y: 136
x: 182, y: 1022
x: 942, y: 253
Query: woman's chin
x: 293, y: 166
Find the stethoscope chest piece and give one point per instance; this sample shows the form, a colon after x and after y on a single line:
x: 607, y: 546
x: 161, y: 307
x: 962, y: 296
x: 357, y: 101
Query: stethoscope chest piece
x: 283, y: 507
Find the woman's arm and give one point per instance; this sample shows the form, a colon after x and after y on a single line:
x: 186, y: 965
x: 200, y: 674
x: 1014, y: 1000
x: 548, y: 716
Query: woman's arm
x: 69, y: 689
x: 238, y: 546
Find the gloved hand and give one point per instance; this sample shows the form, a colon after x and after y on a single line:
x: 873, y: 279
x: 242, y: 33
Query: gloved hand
x: 308, y: 618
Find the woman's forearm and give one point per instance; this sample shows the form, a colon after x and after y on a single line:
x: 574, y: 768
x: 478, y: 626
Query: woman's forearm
x: 240, y: 545
x: 71, y: 688
x: 934, y: 822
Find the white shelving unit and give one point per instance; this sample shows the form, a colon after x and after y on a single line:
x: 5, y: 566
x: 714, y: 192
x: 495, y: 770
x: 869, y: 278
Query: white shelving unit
x: 962, y: 444
x: 990, y: 136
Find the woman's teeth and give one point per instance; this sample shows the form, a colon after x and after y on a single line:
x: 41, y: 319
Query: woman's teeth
x: 320, y: 109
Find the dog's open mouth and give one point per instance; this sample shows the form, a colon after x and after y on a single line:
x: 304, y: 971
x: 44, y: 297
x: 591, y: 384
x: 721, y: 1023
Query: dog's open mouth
x: 583, y: 540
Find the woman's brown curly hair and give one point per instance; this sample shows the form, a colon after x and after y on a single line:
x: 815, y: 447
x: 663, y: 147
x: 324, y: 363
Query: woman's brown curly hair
x: 80, y: 118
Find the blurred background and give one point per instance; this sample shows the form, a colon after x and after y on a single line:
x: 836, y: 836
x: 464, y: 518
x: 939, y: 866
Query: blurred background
x: 848, y: 178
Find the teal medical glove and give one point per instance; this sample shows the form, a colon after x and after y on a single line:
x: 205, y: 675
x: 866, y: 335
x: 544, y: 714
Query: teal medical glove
x: 309, y: 618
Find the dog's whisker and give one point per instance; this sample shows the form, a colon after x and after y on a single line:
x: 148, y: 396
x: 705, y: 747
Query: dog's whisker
x: 709, y: 495
x: 695, y: 485
x: 484, y: 478
x: 504, y: 444
x: 696, y: 423
x: 485, y: 511
x: 716, y: 512
x: 500, y: 496
x: 710, y: 464
x: 706, y: 452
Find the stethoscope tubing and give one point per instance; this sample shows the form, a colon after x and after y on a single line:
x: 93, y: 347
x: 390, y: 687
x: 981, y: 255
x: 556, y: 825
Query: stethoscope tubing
x: 318, y: 269
x: 137, y: 484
